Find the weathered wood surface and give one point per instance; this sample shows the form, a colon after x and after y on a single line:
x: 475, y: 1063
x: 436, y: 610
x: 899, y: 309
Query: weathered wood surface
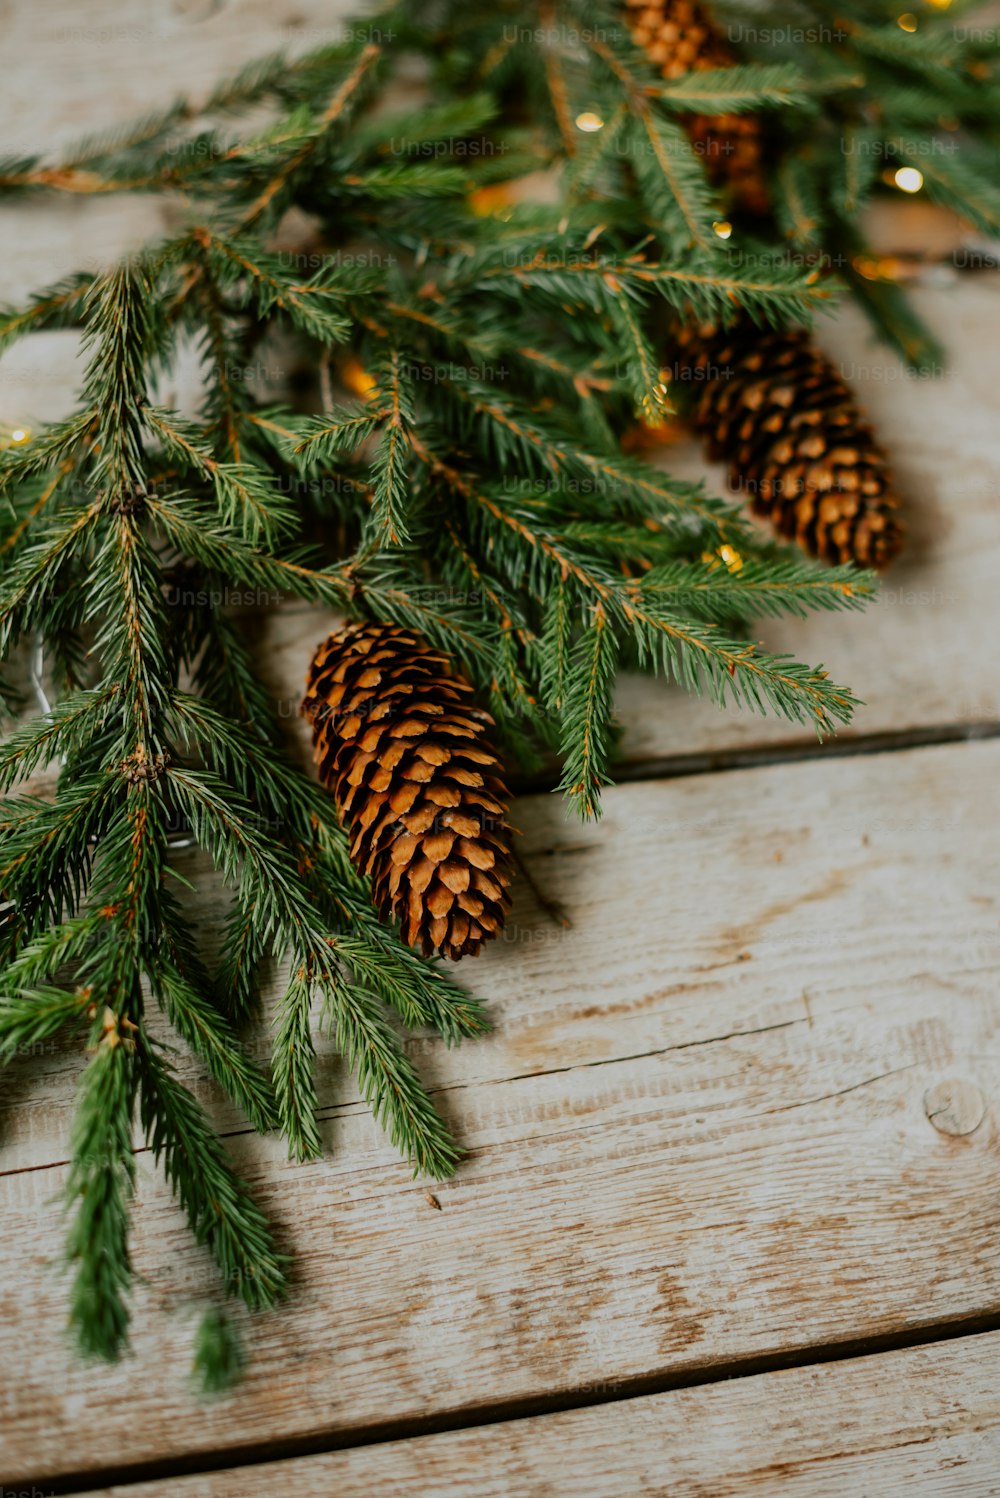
x: 698, y: 1135
x: 924, y: 1423
x: 746, y: 1106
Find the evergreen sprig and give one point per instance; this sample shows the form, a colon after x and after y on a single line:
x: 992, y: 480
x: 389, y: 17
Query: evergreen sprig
x: 475, y: 490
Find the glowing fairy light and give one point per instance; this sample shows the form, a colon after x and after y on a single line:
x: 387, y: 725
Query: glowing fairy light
x: 356, y: 377
x: 908, y: 179
x: 589, y: 122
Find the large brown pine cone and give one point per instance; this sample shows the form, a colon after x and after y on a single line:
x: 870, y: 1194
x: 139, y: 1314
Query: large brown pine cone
x: 678, y: 37
x: 401, y: 744
x: 776, y: 411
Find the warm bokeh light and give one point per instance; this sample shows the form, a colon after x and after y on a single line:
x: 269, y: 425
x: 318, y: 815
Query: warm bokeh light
x: 589, y: 121
x: 494, y: 200
x: 907, y: 22
x: 723, y: 228
x: 908, y: 179
x: 356, y: 377
x: 727, y: 555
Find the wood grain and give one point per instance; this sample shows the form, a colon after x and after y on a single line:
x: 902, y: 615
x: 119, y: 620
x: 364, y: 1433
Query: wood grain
x: 698, y: 1135
x: 921, y: 1422
x: 746, y: 1106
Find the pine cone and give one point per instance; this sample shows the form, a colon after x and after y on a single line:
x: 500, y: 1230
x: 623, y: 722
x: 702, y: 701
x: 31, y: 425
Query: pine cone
x: 403, y: 748
x: 777, y: 412
x: 678, y: 37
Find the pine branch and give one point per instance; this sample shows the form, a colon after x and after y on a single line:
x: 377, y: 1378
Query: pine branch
x: 209, y: 1036
x: 699, y: 659
x: 99, y: 1188
x: 419, y: 994
x: 338, y: 105
x: 475, y: 492
x: 219, y: 1359
x: 58, y: 306
x: 757, y: 589
x: 247, y: 499
x: 58, y: 733
x: 389, y: 462
x: 586, y: 715
x: 268, y: 879
x: 218, y: 1205
x: 675, y: 188
x: 294, y: 1066
x: 735, y: 90
x: 31, y: 1018
x: 388, y: 1081
x: 40, y: 570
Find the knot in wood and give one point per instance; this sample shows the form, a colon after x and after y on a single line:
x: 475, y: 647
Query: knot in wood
x: 954, y: 1107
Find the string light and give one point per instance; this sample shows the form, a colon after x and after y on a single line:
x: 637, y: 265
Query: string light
x: 907, y: 22
x: 15, y: 438
x: 908, y: 179
x: 727, y: 555
x: 492, y: 201
x: 357, y: 379
x: 867, y: 267
x: 888, y: 268
x: 588, y: 121
x: 723, y: 228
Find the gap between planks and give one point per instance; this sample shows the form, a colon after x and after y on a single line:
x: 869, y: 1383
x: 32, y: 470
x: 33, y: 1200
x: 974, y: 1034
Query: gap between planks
x: 677, y: 766
x: 93, y: 1481
x: 339, y: 1110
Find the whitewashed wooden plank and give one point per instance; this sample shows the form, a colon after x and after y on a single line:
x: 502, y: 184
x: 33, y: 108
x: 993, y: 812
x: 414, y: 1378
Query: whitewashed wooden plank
x: 698, y: 1134
x: 86, y: 66
x: 921, y: 1422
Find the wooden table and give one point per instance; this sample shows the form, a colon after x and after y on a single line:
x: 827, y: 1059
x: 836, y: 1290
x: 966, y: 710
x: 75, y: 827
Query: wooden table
x: 729, y: 1219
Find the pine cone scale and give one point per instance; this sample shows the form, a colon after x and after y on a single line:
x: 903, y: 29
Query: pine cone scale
x: 678, y: 37
x: 400, y: 743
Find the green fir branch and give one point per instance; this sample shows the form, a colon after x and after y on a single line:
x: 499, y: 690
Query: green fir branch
x: 478, y: 494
